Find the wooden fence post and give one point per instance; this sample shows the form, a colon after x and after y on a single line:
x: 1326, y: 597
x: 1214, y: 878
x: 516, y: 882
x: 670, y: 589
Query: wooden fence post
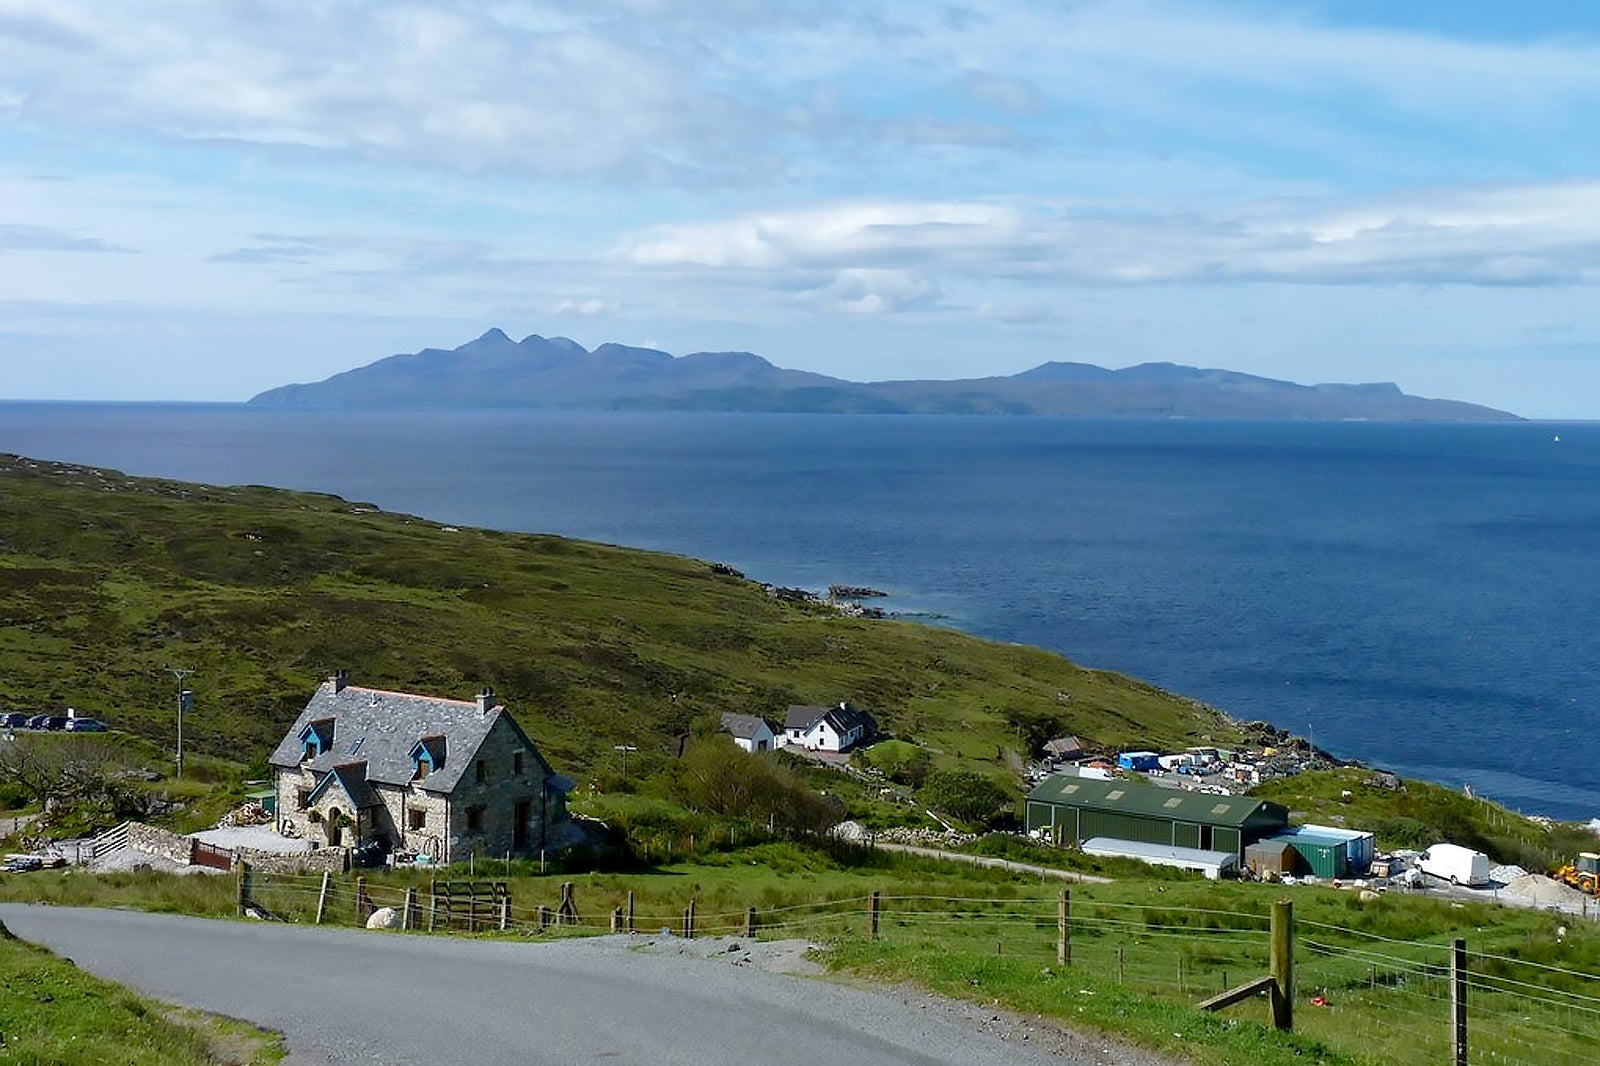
x: 433, y: 902
x: 688, y: 921
x: 1458, y: 1001
x: 1119, y: 964
x: 568, y: 914
x: 877, y: 901
x: 243, y: 887
x: 363, y: 904
x: 1282, y: 966
x: 322, y: 897
x: 1064, y: 928
x: 543, y: 915
x: 505, y: 912
x: 408, y: 919
x: 630, y: 910
x: 616, y: 920
x: 750, y: 923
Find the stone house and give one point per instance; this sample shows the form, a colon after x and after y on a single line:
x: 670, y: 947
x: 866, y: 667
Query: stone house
x: 437, y: 777
x: 836, y: 728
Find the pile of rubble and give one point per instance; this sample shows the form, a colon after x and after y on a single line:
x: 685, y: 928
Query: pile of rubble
x: 250, y: 814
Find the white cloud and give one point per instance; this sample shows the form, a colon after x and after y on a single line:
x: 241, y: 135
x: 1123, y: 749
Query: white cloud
x: 590, y: 307
x: 1530, y: 234
x: 874, y: 292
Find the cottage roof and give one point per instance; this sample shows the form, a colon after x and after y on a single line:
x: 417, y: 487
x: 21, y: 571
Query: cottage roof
x: 744, y: 726
x: 352, y: 778
x: 1068, y: 745
x: 842, y: 716
x: 382, y: 728
x: 1151, y: 800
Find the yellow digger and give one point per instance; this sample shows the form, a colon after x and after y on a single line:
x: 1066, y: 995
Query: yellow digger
x: 1584, y: 876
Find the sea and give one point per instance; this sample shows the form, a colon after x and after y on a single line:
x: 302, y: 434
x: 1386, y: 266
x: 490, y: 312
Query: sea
x: 1424, y: 598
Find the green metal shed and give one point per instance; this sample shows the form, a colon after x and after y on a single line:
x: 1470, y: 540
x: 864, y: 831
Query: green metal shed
x: 1324, y: 855
x: 1071, y: 809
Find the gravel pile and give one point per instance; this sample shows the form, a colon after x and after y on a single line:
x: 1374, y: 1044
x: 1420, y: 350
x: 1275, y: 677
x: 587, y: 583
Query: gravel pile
x: 1541, y: 891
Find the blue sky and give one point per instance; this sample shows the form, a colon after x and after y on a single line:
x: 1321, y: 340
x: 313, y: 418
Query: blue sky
x: 228, y: 197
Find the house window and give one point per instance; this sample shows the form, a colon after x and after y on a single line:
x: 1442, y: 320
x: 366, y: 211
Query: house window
x: 416, y: 818
x: 475, y: 818
x: 516, y: 763
x: 311, y: 751
x: 483, y: 772
x: 302, y: 798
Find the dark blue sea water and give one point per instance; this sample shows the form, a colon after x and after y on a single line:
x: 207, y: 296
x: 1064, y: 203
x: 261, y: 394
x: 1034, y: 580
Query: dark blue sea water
x: 1422, y: 597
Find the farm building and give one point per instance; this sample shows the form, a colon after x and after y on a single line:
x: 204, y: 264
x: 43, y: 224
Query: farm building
x: 1071, y: 810
x: 1326, y: 851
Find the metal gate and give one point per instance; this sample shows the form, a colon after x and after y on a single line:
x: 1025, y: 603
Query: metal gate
x: 203, y: 854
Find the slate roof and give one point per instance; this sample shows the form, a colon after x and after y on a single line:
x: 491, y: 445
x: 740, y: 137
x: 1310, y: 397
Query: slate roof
x: 382, y: 727
x: 352, y: 777
x: 842, y: 716
x: 744, y: 726
x: 1177, y: 804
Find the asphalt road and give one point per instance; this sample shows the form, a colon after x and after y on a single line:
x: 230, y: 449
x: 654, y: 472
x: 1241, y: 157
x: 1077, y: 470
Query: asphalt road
x: 351, y: 996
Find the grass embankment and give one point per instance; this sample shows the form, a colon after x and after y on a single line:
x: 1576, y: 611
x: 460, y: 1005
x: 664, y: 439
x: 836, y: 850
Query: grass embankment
x: 52, y: 1012
x: 108, y: 580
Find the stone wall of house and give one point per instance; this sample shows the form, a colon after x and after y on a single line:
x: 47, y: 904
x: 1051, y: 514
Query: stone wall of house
x: 497, y: 791
x: 158, y: 842
x: 293, y: 819
x: 400, y: 805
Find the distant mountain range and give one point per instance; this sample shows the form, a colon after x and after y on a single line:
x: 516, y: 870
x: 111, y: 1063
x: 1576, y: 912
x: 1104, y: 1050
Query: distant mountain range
x: 554, y: 372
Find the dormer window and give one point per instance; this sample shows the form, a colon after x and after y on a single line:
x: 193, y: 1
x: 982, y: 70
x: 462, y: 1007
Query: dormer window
x: 427, y: 756
x: 317, y: 737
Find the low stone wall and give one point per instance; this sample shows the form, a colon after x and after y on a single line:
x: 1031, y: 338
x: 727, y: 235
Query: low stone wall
x: 158, y: 842
x: 323, y: 860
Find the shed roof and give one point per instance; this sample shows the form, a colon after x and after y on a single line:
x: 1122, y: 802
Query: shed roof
x: 744, y: 726
x: 1134, y: 798
x: 382, y: 727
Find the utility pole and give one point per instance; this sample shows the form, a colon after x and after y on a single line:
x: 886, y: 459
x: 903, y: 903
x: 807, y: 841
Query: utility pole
x: 185, y: 700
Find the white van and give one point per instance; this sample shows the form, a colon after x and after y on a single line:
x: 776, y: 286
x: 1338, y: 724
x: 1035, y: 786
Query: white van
x: 1456, y: 864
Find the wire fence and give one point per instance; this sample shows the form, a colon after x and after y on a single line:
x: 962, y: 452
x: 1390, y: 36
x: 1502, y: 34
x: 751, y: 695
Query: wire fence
x: 1375, y: 999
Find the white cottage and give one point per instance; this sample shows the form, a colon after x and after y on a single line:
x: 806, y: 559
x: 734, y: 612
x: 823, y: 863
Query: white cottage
x: 837, y: 728
x: 750, y: 731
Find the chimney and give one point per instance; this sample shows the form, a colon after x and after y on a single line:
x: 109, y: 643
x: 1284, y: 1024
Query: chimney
x: 339, y: 680
x: 486, y: 700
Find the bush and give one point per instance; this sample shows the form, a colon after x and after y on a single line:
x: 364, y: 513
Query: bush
x: 967, y: 796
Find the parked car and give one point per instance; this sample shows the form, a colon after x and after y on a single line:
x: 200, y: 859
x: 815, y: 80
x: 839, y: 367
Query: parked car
x: 13, y: 720
x: 85, y: 725
x: 55, y: 722
x: 22, y: 864
x: 37, y: 721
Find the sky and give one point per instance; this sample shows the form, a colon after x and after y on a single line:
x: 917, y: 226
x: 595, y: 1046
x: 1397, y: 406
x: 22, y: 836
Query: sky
x: 203, y: 199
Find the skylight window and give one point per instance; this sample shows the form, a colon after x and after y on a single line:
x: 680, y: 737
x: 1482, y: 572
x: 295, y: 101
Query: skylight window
x: 1116, y: 794
x: 1175, y: 801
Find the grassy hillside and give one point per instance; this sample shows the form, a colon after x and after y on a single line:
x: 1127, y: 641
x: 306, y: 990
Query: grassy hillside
x: 106, y: 581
